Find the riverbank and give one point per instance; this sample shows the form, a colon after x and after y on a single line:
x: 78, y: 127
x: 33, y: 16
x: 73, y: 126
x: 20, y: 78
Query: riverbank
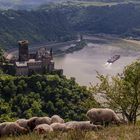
x: 32, y: 48
x: 57, y: 48
x: 78, y: 46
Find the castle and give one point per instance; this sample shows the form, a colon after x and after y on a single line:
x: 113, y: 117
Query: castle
x: 27, y: 63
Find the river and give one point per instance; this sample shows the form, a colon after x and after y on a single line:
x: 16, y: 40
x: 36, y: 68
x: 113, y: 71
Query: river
x: 84, y: 64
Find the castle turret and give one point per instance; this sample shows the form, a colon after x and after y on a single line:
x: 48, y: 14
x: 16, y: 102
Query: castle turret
x: 23, y: 50
x: 51, y: 53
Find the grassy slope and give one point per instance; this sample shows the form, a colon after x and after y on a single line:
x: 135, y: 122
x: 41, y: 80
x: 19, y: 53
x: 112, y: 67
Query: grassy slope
x: 111, y: 133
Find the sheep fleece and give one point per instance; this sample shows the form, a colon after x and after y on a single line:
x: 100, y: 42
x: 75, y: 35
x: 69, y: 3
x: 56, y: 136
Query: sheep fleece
x: 102, y: 115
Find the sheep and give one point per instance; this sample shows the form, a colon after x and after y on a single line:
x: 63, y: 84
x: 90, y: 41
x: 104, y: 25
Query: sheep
x: 103, y: 116
x: 34, y: 121
x: 123, y: 121
x: 23, y: 123
x: 43, y: 120
x: 2, y: 125
x: 11, y: 128
x: 43, y: 129
x: 82, y: 125
x: 59, y: 127
x: 56, y: 119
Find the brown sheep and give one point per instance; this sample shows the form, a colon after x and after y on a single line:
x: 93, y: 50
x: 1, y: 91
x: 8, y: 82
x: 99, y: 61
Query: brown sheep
x: 11, y: 128
x: 56, y: 119
x: 103, y: 116
x: 43, y: 129
x: 33, y: 122
x: 82, y: 125
x: 59, y: 127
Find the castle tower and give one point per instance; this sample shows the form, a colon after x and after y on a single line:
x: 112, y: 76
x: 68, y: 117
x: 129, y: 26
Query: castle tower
x: 51, y: 53
x: 23, y: 50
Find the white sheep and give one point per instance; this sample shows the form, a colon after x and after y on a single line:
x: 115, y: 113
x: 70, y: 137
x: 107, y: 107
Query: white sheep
x: 43, y: 129
x: 23, y: 123
x: 82, y: 125
x: 11, y: 128
x: 43, y: 120
x: 59, y: 127
x: 56, y: 119
x: 34, y: 121
x: 103, y: 116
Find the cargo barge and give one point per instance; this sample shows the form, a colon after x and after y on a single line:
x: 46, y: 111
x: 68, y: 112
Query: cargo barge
x: 113, y: 59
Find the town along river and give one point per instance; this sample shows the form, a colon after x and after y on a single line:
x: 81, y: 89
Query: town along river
x: 84, y: 64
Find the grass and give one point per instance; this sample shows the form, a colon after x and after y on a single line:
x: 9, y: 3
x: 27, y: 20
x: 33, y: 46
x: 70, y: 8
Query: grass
x: 128, y: 132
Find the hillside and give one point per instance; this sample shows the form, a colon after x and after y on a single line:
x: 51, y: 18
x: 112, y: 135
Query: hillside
x: 23, y: 4
x: 61, y: 22
x: 40, y: 95
x: 35, y: 26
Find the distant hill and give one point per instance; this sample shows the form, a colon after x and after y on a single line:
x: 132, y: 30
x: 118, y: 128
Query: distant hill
x: 31, y: 4
x: 36, y: 26
x: 23, y: 4
x: 61, y: 22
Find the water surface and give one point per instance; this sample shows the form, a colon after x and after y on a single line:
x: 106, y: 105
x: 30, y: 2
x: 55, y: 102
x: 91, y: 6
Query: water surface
x: 84, y: 64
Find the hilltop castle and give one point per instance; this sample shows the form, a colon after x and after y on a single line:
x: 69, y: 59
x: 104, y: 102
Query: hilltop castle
x: 33, y: 63
x: 38, y: 62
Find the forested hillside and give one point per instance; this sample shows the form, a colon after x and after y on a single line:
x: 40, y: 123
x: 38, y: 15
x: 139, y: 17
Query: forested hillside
x: 40, y: 95
x: 118, y: 19
x: 36, y: 26
x: 60, y: 22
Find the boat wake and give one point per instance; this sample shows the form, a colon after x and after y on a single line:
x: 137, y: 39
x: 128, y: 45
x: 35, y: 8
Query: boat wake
x: 108, y: 65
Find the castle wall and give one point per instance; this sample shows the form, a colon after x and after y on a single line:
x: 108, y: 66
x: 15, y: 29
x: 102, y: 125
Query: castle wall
x: 21, y: 71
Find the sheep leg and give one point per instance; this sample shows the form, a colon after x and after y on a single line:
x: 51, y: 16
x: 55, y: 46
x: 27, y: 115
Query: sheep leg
x: 102, y: 123
x: 106, y: 124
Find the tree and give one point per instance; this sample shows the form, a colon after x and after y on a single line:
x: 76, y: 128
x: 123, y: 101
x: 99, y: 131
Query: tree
x: 2, y: 58
x: 122, y: 92
x: 38, y: 95
x: 5, y: 111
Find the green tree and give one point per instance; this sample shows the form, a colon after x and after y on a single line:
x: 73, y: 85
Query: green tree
x: 122, y: 92
x: 22, y: 85
x: 2, y: 58
x: 5, y: 111
x: 39, y: 95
